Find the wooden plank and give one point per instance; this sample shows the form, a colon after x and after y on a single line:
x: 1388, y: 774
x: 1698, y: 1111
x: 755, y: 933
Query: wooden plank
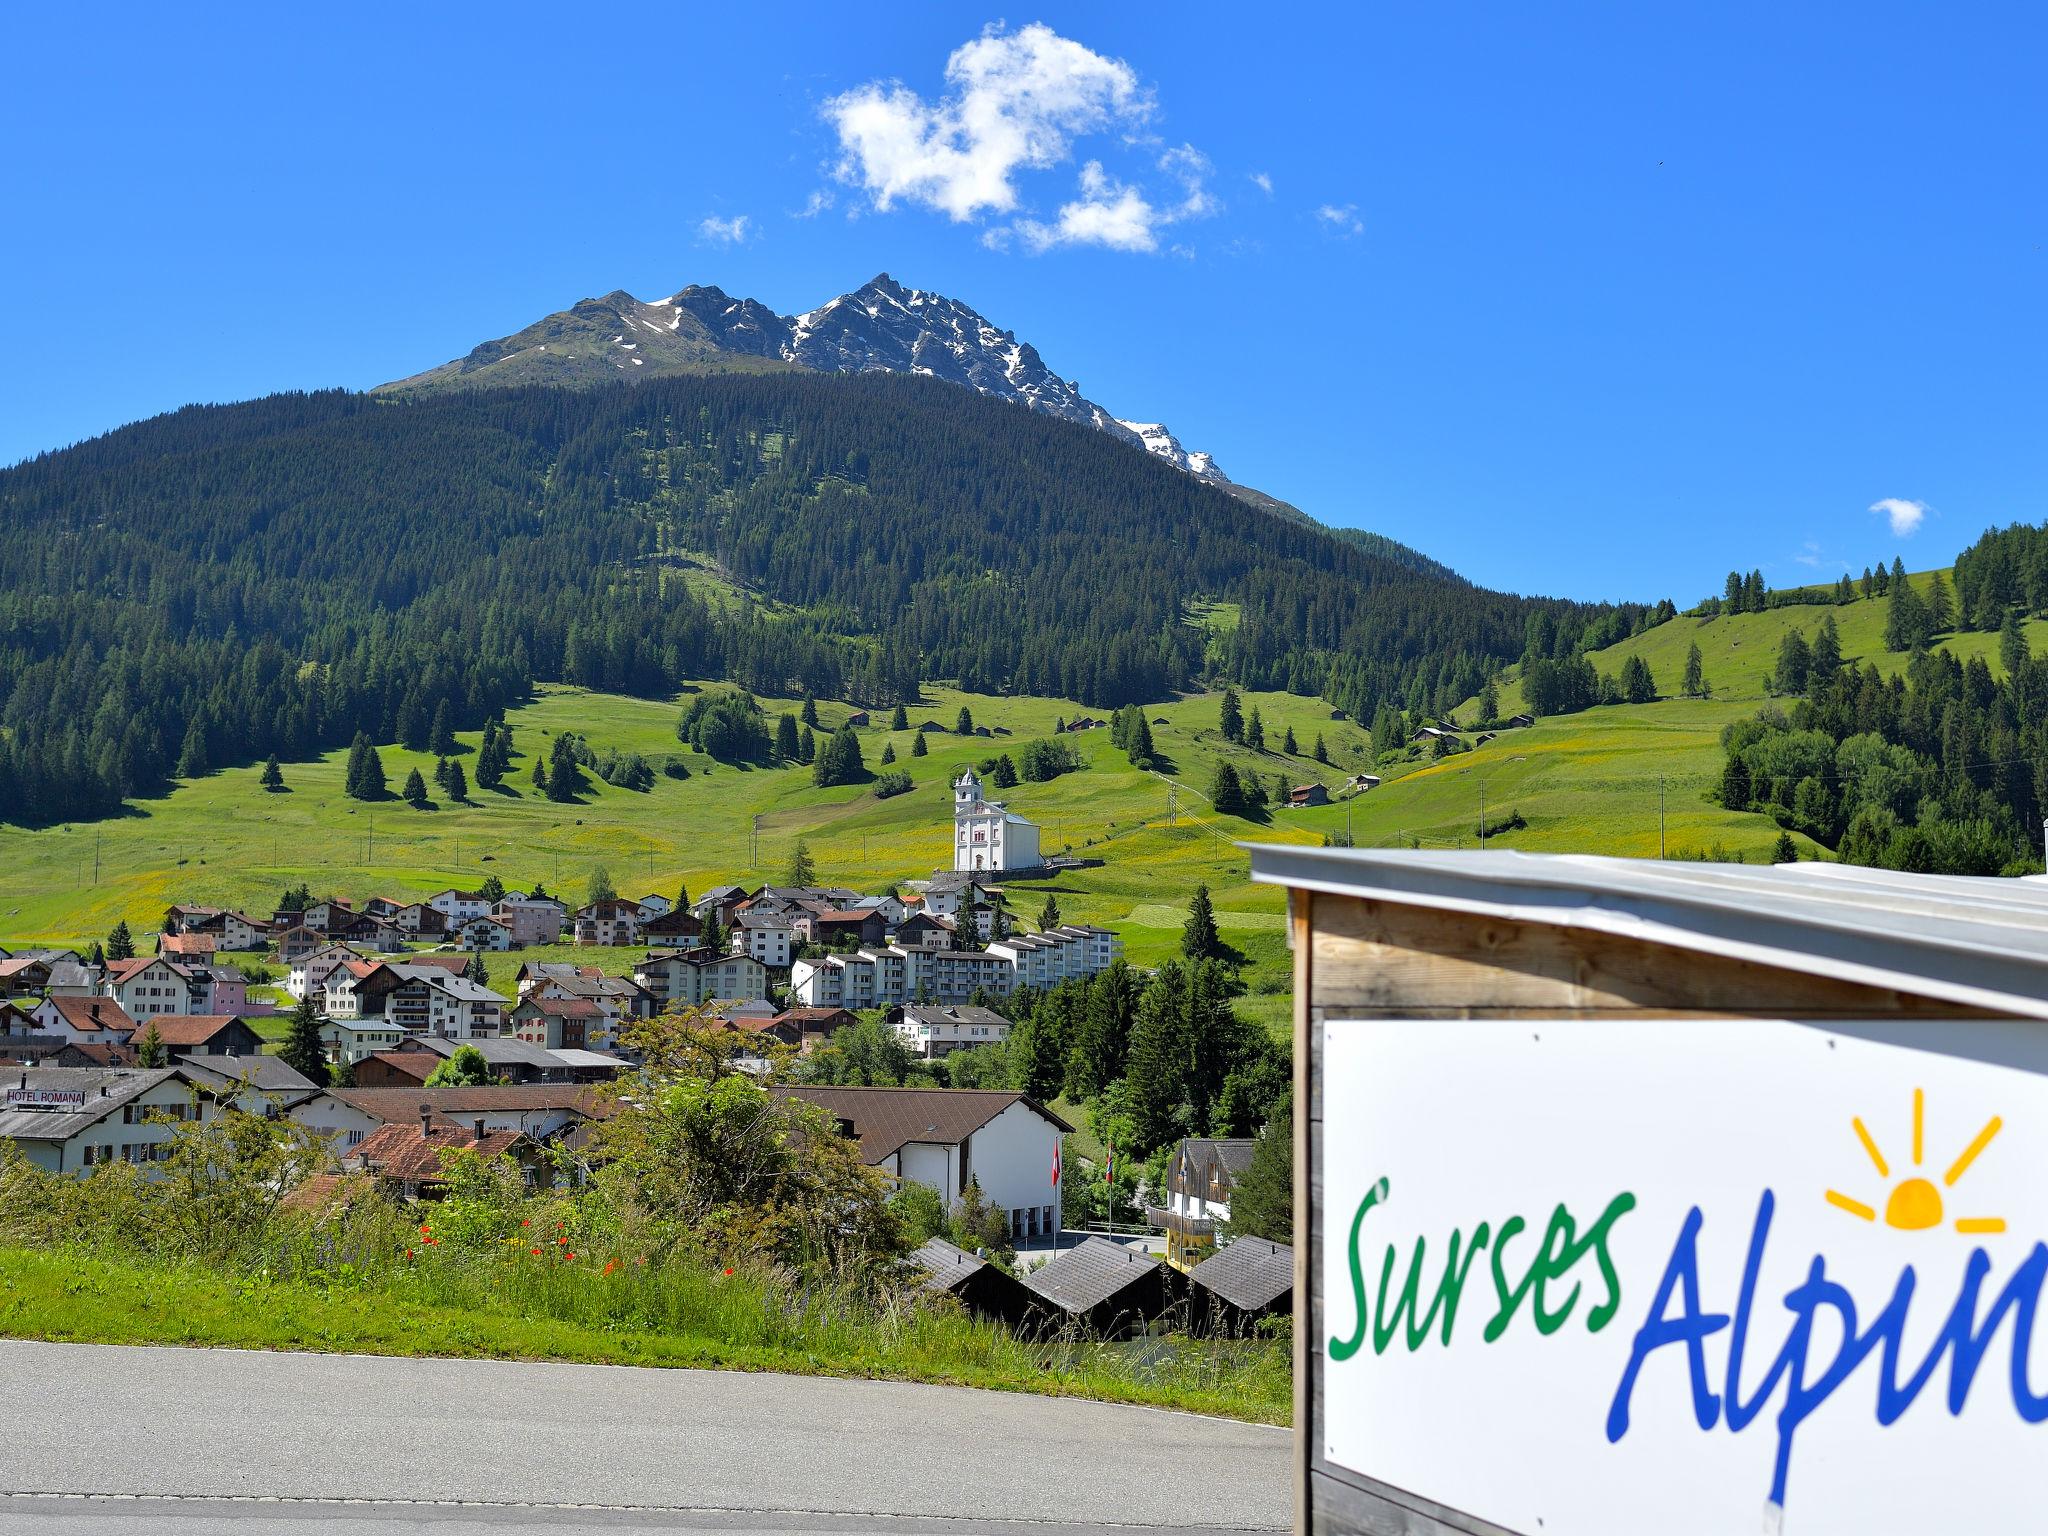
x: 1300, y: 913
x: 1395, y: 958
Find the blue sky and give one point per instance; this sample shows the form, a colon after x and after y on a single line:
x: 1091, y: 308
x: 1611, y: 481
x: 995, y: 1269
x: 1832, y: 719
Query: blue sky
x: 1599, y: 301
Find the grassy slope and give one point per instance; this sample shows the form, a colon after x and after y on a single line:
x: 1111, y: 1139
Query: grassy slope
x: 1591, y: 782
x: 221, y: 839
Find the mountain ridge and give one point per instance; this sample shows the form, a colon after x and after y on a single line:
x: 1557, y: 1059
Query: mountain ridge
x: 880, y: 327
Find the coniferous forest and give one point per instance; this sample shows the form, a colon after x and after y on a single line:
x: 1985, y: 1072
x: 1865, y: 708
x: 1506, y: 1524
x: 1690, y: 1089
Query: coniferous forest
x: 226, y: 583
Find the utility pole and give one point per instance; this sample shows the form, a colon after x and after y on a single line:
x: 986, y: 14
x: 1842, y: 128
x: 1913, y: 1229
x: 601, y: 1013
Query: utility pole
x: 1660, y: 815
x: 95, y: 858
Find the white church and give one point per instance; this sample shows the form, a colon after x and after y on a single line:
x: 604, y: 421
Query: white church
x: 985, y: 836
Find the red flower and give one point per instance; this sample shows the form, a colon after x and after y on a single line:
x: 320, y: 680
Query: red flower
x: 526, y: 1221
x: 610, y: 1265
x: 408, y: 1253
x: 536, y: 1253
x: 728, y: 1271
x: 570, y: 1257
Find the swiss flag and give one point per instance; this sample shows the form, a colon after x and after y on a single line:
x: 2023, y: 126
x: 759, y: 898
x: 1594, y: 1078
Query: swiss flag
x: 1055, y: 1165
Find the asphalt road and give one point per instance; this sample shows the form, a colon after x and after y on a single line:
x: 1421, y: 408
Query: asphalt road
x: 100, y: 1439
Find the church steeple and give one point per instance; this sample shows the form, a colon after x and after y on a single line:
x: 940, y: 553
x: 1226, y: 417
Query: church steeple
x: 967, y: 793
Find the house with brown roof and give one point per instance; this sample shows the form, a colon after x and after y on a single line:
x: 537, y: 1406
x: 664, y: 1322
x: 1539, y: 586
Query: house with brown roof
x: 412, y: 1159
x: 841, y: 929
x: 484, y: 933
x: 1006, y: 1142
x: 202, y: 1034
x: 187, y: 946
x: 148, y: 985
x: 608, y: 923
x: 677, y: 929
x: 541, y: 1111
x: 84, y: 1018
x: 554, y: 1023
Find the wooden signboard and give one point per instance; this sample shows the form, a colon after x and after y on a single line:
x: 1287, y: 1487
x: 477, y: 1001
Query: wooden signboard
x: 1613, y: 1226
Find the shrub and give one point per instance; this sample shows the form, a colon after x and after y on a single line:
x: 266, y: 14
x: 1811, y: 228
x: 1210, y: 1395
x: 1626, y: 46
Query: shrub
x: 892, y: 784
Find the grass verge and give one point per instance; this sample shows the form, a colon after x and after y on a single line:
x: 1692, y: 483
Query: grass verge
x: 74, y: 1294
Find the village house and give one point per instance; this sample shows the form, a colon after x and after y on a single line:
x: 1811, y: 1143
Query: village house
x: 1302, y: 796
x: 766, y: 936
x: 532, y: 919
x: 721, y: 901
x: 422, y: 999
x: 297, y: 942
x: 24, y: 976
x: 348, y: 1041
x: 459, y: 906
x: 412, y: 1160
x: 982, y: 1287
x: 307, y: 976
x: 854, y: 929
x: 148, y: 985
x: 609, y: 923
x: 655, y: 905
x: 484, y: 933
x: 676, y: 929
x: 551, y: 1022
x: 691, y: 977
x: 367, y: 932
x: 97, y: 1019
x: 946, y: 1138
x: 417, y: 920
x: 64, y: 1119
x: 1199, y: 1180
x: 71, y: 977
x: 187, y: 946
x: 542, y: 1111
x: 934, y: 1029
x: 201, y: 1034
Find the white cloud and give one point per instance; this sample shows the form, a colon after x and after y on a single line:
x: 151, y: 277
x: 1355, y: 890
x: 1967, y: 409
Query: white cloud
x: 1905, y: 516
x: 1191, y: 168
x: 1014, y: 101
x: 815, y: 204
x: 1107, y: 213
x: 1263, y: 182
x: 733, y: 231
x: 1342, y: 218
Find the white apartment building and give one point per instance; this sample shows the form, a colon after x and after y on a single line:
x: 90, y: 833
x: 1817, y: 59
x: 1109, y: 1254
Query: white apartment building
x: 460, y: 906
x: 308, y: 974
x: 148, y: 986
x: 893, y: 975
x: 691, y: 977
x: 769, y: 937
x: 939, y: 1029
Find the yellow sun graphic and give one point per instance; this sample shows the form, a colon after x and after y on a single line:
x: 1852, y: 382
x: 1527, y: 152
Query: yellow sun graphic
x: 1915, y: 1204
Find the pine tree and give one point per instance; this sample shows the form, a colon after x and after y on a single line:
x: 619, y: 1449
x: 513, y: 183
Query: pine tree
x: 1695, y: 672
x: 441, y: 738
x: 788, y: 745
x: 1049, y: 914
x: 1827, y: 655
x: 1287, y: 745
x: 415, y: 790
x: 441, y: 772
x: 540, y: 775
x: 900, y: 720
x: 1226, y: 794
x: 1262, y: 1202
x: 1230, y: 717
x: 192, y: 762
x: 1785, y: 851
x: 1489, y: 707
x: 888, y: 753
x: 273, y: 776
x: 917, y: 746
x: 150, y: 1050
x: 458, y: 781
x: 810, y: 711
x: 1198, y: 937
x: 802, y: 872
x: 1002, y: 773
x: 476, y: 970
x: 2013, y: 650
x: 120, y: 942
x: 1731, y: 593
x: 964, y: 724
x: 1906, y: 625
x: 807, y: 746
x: 369, y: 777
x: 1255, y: 732
x: 1941, y: 608
x: 1638, y: 686
x: 1321, y: 750
x: 302, y: 1050
x: 998, y: 925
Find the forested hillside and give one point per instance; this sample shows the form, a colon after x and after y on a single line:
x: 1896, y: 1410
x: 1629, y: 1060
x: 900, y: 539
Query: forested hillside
x: 227, y: 582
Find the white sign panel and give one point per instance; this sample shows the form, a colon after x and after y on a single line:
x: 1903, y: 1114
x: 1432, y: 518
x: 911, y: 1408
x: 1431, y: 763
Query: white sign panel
x: 1607, y: 1278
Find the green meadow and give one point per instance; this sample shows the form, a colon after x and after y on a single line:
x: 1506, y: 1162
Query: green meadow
x: 1630, y: 780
